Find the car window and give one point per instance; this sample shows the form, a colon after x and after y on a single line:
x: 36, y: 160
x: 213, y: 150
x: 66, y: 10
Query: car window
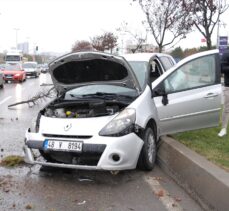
x: 167, y: 62
x: 196, y: 73
x: 140, y: 70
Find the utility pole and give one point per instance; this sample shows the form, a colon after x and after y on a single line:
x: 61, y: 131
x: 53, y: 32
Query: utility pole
x: 16, y: 30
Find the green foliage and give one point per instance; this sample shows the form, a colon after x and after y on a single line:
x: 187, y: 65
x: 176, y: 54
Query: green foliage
x: 178, y: 53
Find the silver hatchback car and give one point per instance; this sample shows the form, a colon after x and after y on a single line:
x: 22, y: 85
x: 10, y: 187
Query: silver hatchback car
x: 109, y: 112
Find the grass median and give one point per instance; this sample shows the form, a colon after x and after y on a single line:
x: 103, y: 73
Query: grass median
x: 207, y: 143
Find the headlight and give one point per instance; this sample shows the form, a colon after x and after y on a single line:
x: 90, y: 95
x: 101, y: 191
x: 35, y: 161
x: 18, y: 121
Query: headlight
x: 121, y: 124
x: 17, y: 74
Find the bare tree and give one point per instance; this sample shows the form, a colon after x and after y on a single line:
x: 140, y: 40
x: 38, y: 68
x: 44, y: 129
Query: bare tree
x: 97, y: 43
x: 82, y: 45
x: 138, y: 38
x: 206, y: 15
x: 167, y: 20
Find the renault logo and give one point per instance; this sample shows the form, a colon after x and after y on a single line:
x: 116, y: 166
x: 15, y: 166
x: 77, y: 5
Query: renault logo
x: 67, y: 127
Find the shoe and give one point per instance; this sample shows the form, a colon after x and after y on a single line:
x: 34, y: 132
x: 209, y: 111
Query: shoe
x: 223, y: 132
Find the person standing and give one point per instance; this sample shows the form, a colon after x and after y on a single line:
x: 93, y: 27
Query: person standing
x: 225, y: 114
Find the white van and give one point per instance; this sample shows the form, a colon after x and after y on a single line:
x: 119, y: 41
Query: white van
x: 13, y: 57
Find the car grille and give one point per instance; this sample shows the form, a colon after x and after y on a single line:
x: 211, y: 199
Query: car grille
x: 65, y: 136
x: 8, y: 76
x: 89, y: 156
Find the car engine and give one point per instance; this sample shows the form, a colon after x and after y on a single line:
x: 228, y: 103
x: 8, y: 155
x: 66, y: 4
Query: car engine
x: 81, y: 110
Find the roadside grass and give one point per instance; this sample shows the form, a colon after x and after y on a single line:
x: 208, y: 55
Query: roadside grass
x: 207, y: 143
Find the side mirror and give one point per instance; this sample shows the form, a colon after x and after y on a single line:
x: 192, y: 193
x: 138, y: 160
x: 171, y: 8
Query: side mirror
x: 161, y: 92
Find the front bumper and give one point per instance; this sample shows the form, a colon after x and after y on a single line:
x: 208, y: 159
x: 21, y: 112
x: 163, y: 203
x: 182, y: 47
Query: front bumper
x: 127, y: 147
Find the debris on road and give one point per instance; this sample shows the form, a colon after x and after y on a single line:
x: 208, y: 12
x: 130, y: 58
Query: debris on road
x: 160, y: 193
x: 12, y: 161
x: 36, y: 98
x: 28, y: 207
x: 81, y: 203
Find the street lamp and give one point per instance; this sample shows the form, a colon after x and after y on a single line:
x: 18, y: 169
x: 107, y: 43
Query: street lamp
x: 16, y: 30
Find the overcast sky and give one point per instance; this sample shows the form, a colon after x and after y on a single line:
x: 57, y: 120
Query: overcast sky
x: 54, y: 25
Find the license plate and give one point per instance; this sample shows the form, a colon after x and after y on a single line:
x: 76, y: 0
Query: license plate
x: 57, y: 145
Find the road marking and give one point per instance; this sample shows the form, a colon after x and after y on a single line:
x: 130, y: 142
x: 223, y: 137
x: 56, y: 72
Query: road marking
x: 170, y: 203
x: 3, y: 101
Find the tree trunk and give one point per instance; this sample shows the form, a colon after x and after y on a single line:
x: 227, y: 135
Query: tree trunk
x: 160, y: 48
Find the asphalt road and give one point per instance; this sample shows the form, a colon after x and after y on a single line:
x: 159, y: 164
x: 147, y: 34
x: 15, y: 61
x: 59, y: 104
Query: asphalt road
x: 35, y: 188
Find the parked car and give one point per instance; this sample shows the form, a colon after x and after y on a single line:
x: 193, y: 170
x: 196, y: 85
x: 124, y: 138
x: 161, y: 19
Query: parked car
x: 2, y: 66
x: 108, y: 116
x: 31, y: 69
x: 44, y: 68
x: 1, y: 79
x: 14, y: 72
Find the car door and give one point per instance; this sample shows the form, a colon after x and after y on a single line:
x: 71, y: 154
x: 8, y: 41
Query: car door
x: 189, y: 96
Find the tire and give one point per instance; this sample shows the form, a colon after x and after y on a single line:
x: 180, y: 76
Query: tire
x: 148, y: 153
x: 2, y: 86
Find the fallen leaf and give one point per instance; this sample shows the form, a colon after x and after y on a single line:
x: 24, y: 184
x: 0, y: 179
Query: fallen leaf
x: 177, y: 199
x: 160, y: 193
x: 174, y: 205
x: 28, y: 207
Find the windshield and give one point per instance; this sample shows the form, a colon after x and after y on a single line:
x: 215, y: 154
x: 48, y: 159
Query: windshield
x: 94, y: 89
x: 12, y: 58
x: 140, y: 70
x: 29, y: 65
x: 12, y: 67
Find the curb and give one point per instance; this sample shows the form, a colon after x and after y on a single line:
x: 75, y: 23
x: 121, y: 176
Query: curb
x: 205, y: 182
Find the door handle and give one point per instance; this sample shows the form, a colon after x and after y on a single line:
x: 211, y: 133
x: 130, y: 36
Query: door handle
x: 209, y: 95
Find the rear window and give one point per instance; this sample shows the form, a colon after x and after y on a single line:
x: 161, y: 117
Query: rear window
x: 29, y: 65
x: 12, y: 58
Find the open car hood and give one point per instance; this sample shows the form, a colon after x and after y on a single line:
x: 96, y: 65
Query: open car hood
x: 83, y: 68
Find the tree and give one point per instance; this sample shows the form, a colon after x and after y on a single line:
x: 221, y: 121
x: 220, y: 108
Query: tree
x: 206, y: 15
x: 106, y: 41
x: 177, y: 53
x: 97, y: 43
x: 167, y: 20
x: 109, y: 41
x: 82, y: 45
x: 138, y: 38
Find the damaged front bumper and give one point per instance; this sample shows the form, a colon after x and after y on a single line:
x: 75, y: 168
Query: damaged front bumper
x: 117, y: 153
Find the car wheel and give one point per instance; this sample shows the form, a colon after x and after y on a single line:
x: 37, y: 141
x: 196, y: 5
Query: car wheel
x: 2, y: 86
x: 6, y: 81
x: 147, y: 156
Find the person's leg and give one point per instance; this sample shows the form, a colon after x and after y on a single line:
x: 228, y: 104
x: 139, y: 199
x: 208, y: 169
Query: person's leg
x: 225, y: 114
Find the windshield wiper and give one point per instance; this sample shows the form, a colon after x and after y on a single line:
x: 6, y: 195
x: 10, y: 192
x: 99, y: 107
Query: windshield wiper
x: 103, y: 95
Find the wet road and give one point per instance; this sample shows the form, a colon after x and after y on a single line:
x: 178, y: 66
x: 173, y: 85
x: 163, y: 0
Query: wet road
x: 35, y: 188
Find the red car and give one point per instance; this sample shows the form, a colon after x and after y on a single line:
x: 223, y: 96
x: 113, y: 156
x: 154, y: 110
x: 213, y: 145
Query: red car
x: 14, y: 72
